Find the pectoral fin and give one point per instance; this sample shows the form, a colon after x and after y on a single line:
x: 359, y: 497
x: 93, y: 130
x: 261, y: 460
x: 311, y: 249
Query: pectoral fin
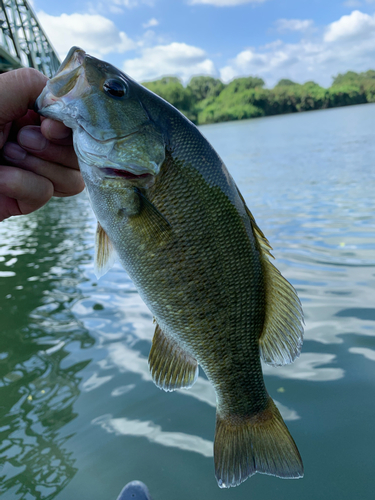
x: 151, y: 220
x: 105, y: 255
x: 171, y: 367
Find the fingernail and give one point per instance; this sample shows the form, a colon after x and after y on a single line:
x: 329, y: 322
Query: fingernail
x: 13, y: 151
x: 32, y: 138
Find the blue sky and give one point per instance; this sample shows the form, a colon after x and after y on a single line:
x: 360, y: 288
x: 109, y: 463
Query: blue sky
x: 272, y: 39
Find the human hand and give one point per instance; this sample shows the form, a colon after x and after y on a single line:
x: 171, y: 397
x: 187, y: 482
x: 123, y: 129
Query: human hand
x: 38, y: 160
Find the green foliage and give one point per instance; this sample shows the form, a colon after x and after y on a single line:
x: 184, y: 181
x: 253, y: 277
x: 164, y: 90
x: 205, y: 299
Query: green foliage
x: 213, y: 114
x: 353, y: 88
x: 370, y: 74
x: 171, y: 89
x: 345, y: 94
x: 241, y: 84
x: 205, y: 86
x: 285, y: 82
x: 242, y: 98
x: 348, y: 78
x: 207, y: 100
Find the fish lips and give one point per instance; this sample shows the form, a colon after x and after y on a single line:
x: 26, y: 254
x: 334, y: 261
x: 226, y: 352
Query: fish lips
x: 141, y: 180
x: 63, y: 81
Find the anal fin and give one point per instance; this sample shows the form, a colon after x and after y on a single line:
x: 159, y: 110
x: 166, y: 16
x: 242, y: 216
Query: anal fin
x: 171, y: 366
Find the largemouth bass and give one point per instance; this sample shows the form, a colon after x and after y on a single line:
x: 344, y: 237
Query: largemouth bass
x: 170, y: 211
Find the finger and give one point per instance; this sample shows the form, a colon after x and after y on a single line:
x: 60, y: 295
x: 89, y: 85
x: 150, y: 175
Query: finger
x: 56, y: 132
x: 29, y: 190
x: 66, y: 181
x: 8, y: 207
x: 5, y: 133
x: 19, y: 90
x: 30, y: 118
x: 33, y: 141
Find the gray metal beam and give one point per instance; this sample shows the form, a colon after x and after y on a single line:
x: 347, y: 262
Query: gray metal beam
x: 23, y: 41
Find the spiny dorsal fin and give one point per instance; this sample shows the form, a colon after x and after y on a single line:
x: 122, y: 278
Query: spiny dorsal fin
x: 105, y: 255
x: 171, y: 367
x: 281, y: 340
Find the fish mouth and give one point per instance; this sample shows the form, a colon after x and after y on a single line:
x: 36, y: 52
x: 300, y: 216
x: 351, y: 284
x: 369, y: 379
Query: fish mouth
x: 67, y: 81
x: 73, y: 60
x: 125, y: 174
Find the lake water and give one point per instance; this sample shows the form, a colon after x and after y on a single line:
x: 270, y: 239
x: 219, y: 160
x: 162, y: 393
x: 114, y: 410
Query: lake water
x: 79, y: 414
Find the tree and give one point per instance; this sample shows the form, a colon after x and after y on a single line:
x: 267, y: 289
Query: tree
x: 203, y: 87
x: 208, y: 100
x: 350, y: 77
x: 171, y: 89
x: 285, y: 82
x: 241, y: 84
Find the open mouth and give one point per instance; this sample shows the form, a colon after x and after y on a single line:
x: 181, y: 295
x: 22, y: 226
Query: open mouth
x: 73, y: 60
x: 114, y: 172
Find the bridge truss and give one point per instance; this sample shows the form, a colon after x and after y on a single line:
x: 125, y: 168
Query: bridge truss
x: 22, y: 40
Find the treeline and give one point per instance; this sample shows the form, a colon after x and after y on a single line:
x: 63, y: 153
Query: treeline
x: 209, y: 100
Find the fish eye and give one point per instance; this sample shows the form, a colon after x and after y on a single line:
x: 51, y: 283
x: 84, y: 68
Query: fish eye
x: 115, y: 88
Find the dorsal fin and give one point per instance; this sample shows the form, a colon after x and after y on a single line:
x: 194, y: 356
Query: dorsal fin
x: 105, y: 255
x: 281, y: 339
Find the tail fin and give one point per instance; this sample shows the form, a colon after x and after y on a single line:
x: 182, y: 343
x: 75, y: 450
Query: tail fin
x: 261, y: 443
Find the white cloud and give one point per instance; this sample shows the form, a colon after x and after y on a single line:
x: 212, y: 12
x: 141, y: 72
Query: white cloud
x: 224, y: 3
x: 93, y: 33
x: 352, y: 3
x: 315, y: 59
x: 127, y: 3
x: 355, y: 25
x: 130, y: 4
x: 177, y: 59
x: 283, y: 25
x: 115, y: 6
x: 150, y: 23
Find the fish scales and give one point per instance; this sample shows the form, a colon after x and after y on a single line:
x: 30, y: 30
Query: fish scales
x: 197, y: 291
x: 171, y: 212
x: 223, y: 289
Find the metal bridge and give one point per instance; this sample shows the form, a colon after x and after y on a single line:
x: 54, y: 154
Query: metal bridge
x: 22, y: 40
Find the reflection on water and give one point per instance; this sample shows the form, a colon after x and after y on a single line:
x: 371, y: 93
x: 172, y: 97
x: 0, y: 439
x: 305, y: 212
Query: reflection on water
x: 79, y: 413
x: 367, y: 353
x: 154, y: 433
x: 308, y: 367
x: 37, y: 396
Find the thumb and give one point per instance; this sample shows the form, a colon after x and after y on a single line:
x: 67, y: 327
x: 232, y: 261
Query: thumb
x: 19, y: 90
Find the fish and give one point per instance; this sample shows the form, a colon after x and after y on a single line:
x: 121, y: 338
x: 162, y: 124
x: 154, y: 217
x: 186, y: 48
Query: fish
x: 170, y: 212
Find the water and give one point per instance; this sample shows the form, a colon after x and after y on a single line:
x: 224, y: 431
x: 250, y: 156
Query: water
x: 79, y: 414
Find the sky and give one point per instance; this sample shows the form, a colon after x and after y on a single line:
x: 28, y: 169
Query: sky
x: 272, y: 39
